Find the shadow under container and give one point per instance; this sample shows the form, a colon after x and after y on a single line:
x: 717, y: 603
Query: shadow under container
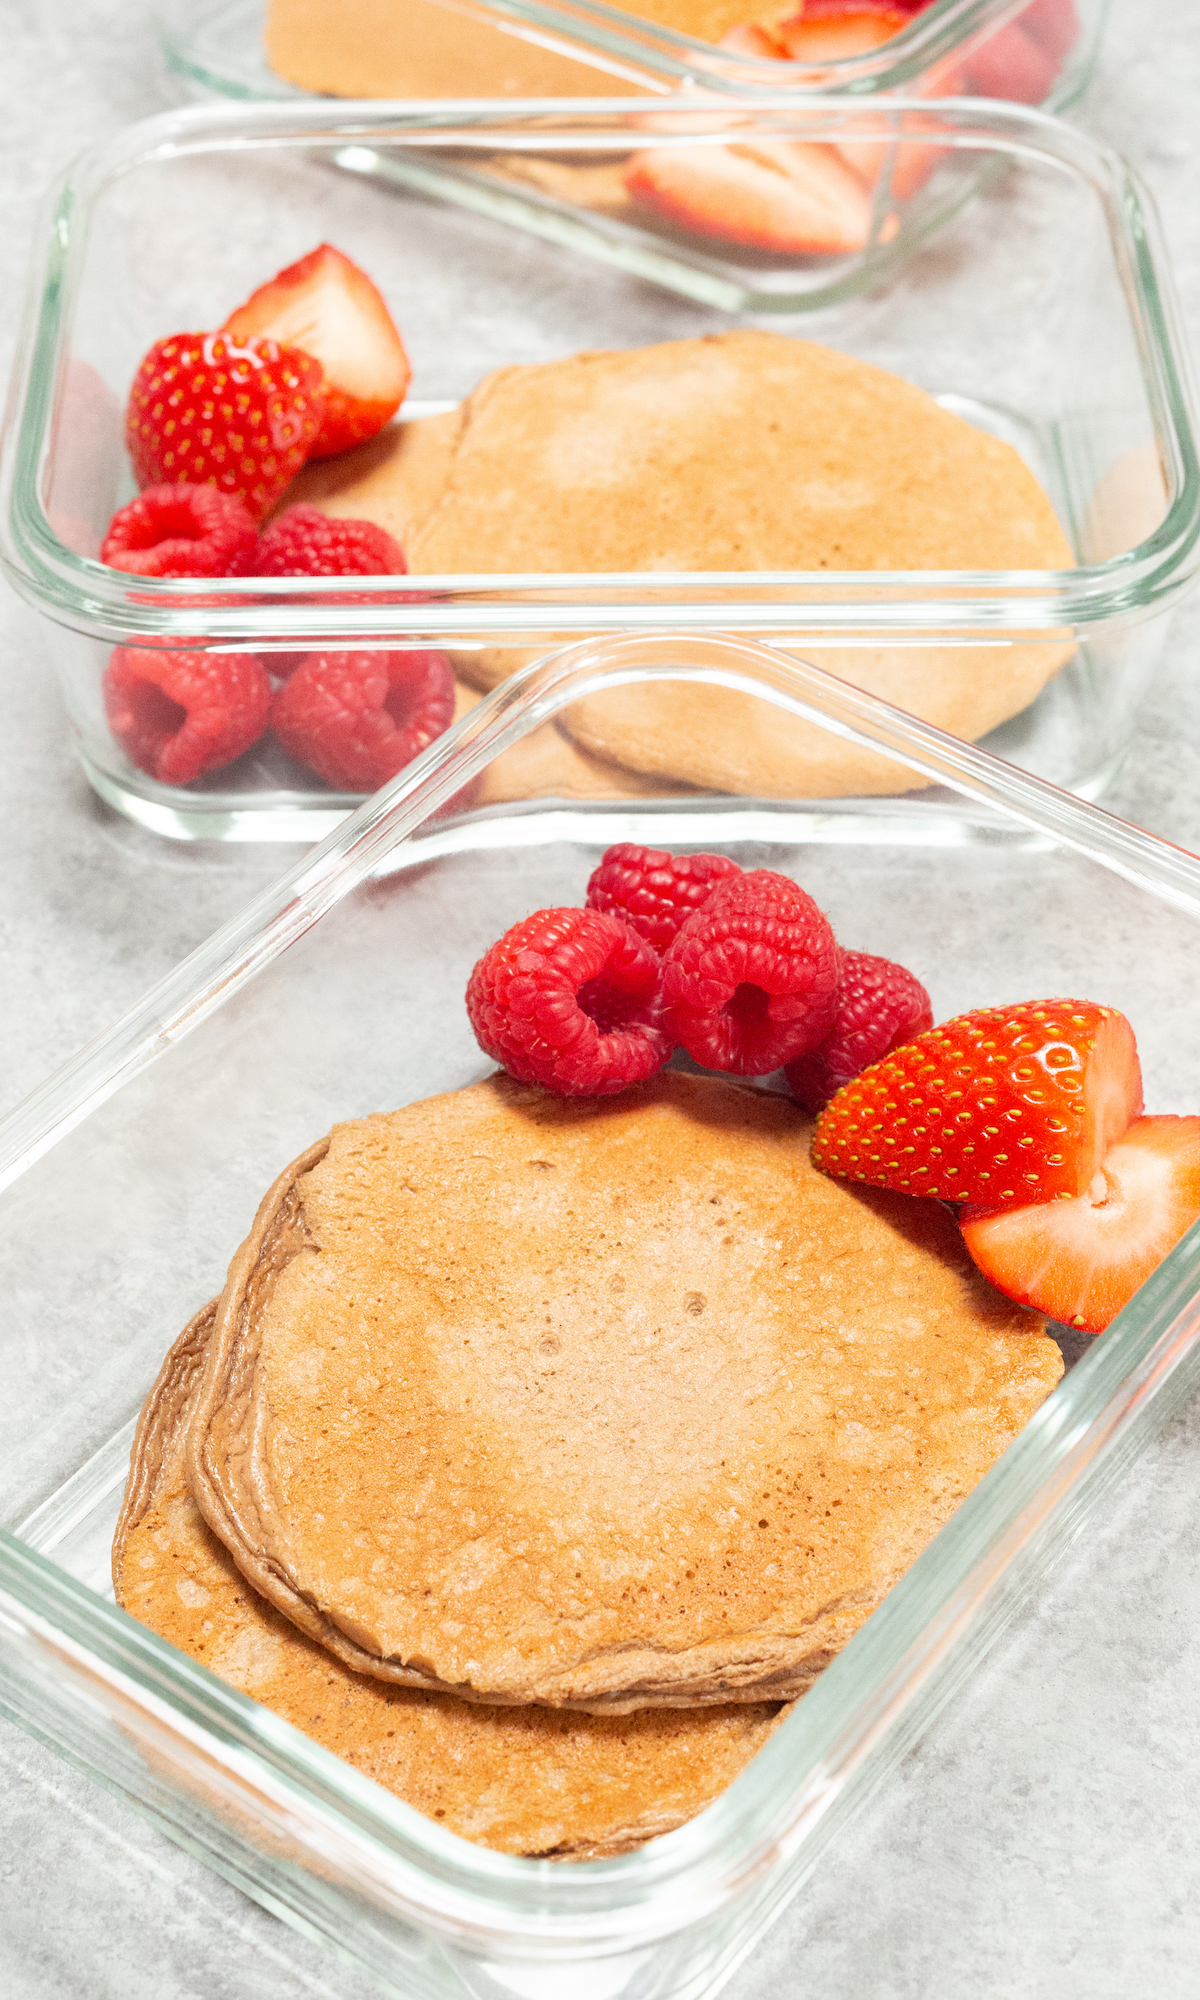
x: 131, y: 1174
x: 1043, y: 314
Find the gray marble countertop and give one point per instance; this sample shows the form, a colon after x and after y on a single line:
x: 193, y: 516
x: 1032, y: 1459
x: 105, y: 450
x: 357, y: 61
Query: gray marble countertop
x: 1043, y: 1838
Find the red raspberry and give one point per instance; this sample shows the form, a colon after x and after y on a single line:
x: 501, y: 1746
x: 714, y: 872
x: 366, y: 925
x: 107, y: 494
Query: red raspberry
x: 204, y: 411
x: 653, y: 891
x: 751, y: 979
x: 571, y: 999
x: 181, y: 531
x: 305, y: 542
x: 879, y: 1007
x: 178, y: 715
x: 358, y: 718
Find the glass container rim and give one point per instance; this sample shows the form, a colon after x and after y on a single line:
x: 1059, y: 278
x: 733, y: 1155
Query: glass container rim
x: 623, y: 36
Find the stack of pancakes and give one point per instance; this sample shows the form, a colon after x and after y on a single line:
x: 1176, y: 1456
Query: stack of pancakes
x: 738, y: 452
x: 539, y: 1451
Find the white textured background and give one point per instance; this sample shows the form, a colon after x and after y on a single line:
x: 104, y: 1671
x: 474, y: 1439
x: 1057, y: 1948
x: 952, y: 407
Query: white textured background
x: 1045, y: 1839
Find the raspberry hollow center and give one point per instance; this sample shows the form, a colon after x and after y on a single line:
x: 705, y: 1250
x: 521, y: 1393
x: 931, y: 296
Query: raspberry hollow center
x: 610, y: 1007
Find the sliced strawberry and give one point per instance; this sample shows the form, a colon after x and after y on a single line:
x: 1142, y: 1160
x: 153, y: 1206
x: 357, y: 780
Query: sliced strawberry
x: 911, y: 161
x: 831, y: 30
x: 771, y: 195
x: 749, y: 39
x: 1007, y: 1105
x: 1053, y: 23
x: 327, y: 306
x: 1012, y: 64
x: 1081, y: 1261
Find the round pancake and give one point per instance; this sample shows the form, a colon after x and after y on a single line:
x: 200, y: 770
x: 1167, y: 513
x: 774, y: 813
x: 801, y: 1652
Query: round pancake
x: 527, y: 1781
x: 597, y: 1403
x: 744, y: 450
x: 547, y: 764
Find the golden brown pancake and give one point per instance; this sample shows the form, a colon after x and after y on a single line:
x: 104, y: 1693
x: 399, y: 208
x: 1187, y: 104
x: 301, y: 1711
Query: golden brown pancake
x: 413, y: 48
x: 597, y: 1403
x: 740, y: 451
x: 548, y: 764
x: 527, y: 1781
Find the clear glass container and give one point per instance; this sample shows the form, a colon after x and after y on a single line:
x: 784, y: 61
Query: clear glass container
x: 1044, y: 314
x: 131, y: 1174
x: 572, y: 48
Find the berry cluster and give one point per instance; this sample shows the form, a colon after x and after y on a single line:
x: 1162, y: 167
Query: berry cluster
x: 354, y: 719
x: 217, y: 425
x: 740, y: 969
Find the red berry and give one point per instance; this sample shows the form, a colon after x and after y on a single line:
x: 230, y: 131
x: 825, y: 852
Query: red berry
x: 1006, y: 1105
x: 358, y: 718
x: 330, y: 308
x: 571, y: 999
x: 1081, y: 1261
x: 206, y: 412
x: 653, y: 891
x: 751, y: 979
x: 879, y: 1006
x: 181, y: 531
x: 305, y: 542
x: 178, y: 715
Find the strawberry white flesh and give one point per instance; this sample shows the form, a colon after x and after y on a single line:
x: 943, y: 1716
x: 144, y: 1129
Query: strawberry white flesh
x: 1080, y: 1261
x: 795, y: 199
x: 327, y: 306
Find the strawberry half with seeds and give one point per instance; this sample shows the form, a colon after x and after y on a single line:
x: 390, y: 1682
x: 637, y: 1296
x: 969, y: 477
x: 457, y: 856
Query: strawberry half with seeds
x: 769, y: 195
x: 1081, y: 1261
x: 1005, y: 1106
x: 327, y: 306
x: 204, y: 411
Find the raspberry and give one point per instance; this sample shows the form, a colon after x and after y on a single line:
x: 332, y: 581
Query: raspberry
x: 358, y: 718
x: 571, y: 999
x: 652, y: 891
x: 181, y: 531
x: 879, y: 1007
x: 178, y: 715
x: 305, y: 542
x: 751, y: 979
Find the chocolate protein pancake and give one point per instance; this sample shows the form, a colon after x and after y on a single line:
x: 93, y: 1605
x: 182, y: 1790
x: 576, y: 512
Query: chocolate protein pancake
x: 740, y: 451
x: 598, y: 1403
x: 526, y: 1780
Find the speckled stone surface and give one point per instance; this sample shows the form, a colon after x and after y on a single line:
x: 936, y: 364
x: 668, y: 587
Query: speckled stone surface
x: 1043, y: 1839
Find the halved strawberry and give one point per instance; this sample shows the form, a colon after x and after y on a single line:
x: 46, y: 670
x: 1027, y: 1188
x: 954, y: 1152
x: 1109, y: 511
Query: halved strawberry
x: 1081, y: 1261
x: 1005, y: 1106
x: 1053, y: 23
x: 770, y: 195
x: 327, y: 306
x: 1012, y: 64
x: 830, y: 30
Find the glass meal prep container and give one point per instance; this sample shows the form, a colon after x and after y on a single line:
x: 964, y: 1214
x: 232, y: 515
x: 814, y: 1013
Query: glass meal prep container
x: 1033, y: 51
x: 1044, y: 315
x: 133, y: 1172
x: 1029, y: 51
